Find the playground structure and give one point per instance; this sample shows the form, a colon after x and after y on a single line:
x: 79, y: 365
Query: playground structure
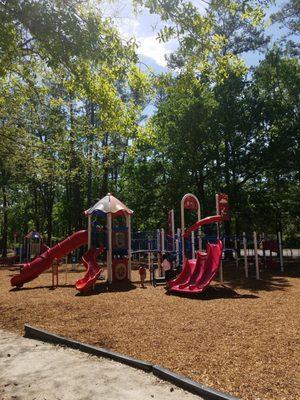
x: 31, y: 246
x: 117, y: 238
x: 195, y: 278
x: 252, y: 250
x: 113, y: 237
x: 118, y: 268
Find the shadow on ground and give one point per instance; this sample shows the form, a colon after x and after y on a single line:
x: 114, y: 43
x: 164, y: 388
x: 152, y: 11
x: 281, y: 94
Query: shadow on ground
x: 216, y: 292
x: 266, y: 283
x: 46, y: 287
x: 104, y: 287
x: 270, y: 280
x: 223, y: 292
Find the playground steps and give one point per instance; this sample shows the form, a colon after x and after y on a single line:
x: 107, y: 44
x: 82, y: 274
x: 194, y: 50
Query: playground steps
x: 160, y: 280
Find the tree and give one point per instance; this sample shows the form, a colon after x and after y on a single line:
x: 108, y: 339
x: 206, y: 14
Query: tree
x: 210, y: 42
x: 289, y: 18
x: 276, y: 89
x: 63, y: 56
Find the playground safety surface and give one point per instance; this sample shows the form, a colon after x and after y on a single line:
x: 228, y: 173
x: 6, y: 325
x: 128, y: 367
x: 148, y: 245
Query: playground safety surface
x: 240, y: 338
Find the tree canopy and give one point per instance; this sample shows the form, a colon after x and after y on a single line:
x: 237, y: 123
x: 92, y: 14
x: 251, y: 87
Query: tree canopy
x: 72, y: 121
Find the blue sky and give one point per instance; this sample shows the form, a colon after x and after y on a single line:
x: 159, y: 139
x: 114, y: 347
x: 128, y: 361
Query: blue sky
x: 144, y: 28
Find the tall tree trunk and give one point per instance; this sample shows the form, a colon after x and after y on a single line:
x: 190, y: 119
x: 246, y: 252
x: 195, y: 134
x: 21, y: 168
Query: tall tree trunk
x: 76, y: 200
x: 104, y: 185
x: 5, y: 223
x: 67, y: 208
x: 36, y: 216
x: 90, y: 155
x: 200, y: 190
x: 48, y: 197
x: 227, y: 227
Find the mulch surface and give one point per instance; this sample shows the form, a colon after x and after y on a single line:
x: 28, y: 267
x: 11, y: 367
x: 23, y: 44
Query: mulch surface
x: 240, y: 337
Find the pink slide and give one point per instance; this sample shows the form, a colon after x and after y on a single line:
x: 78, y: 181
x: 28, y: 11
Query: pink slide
x: 92, y: 269
x: 184, y: 276
x: 33, y: 269
x: 197, y: 275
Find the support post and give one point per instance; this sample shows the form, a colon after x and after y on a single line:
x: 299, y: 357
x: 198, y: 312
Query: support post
x: 28, y: 250
x: 128, y: 223
x: 158, y: 240
x: 52, y: 276
x: 245, y: 254
x: 66, y: 270
x: 218, y: 237
x: 221, y: 278
x: 162, y: 240
x: 221, y: 263
x: 193, y: 244
x: 177, y: 246
x: 236, y: 252
x: 109, y: 252
x: 256, y: 255
x: 54, y: 273
x: 149, y: 256
x: 182, y: 230
x: 280, y: 251
x: 89, y: 231
x: 264, y: 251
x: 172, y: 228
x: 199, y: 230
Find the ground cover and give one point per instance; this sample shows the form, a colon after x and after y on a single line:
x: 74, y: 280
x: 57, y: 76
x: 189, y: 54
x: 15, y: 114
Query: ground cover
x: 241, y: 338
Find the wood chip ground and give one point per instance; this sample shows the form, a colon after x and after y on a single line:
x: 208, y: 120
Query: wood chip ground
x: 240, y: 337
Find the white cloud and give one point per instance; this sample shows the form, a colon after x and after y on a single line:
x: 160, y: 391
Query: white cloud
x: 129, y: 27
x: 150, y: 47
x: 142, y: 26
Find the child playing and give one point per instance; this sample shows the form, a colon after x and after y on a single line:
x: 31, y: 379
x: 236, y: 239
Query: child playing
x: 167, y: 266
x: 142, y: 272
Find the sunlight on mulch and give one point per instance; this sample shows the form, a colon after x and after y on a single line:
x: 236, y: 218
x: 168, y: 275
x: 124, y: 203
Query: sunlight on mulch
x: 241, y: 338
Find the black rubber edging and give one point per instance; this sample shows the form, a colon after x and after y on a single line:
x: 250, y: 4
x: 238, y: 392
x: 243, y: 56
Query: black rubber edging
x: 205, y: 392
x: 40, y: 334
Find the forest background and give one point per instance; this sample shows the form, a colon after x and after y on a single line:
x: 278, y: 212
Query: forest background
x: 75, y: 122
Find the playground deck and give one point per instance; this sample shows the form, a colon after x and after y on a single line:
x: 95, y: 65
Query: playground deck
x: 240, y: 339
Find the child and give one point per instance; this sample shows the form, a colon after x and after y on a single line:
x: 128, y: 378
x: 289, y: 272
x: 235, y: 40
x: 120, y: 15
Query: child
x: 167, y: 266
x: 142, y: 272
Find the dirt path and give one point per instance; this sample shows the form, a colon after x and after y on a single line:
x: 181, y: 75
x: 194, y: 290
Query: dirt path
x: 33, y: 370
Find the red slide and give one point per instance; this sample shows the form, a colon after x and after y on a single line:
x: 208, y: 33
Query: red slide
x: 184, y: 276
x: 195, y: 278
x: 92, y: 269
x: 33, y: 269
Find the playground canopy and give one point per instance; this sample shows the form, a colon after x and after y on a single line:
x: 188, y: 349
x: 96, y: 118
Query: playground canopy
x: 109, y: 204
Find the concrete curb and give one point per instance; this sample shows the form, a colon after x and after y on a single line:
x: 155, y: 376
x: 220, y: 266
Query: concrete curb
x: 189, y: 385
x: 45, y: 336
x: 162, y: 373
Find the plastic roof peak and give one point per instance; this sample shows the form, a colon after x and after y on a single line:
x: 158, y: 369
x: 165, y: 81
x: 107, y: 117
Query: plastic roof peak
x: 109, y: 204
